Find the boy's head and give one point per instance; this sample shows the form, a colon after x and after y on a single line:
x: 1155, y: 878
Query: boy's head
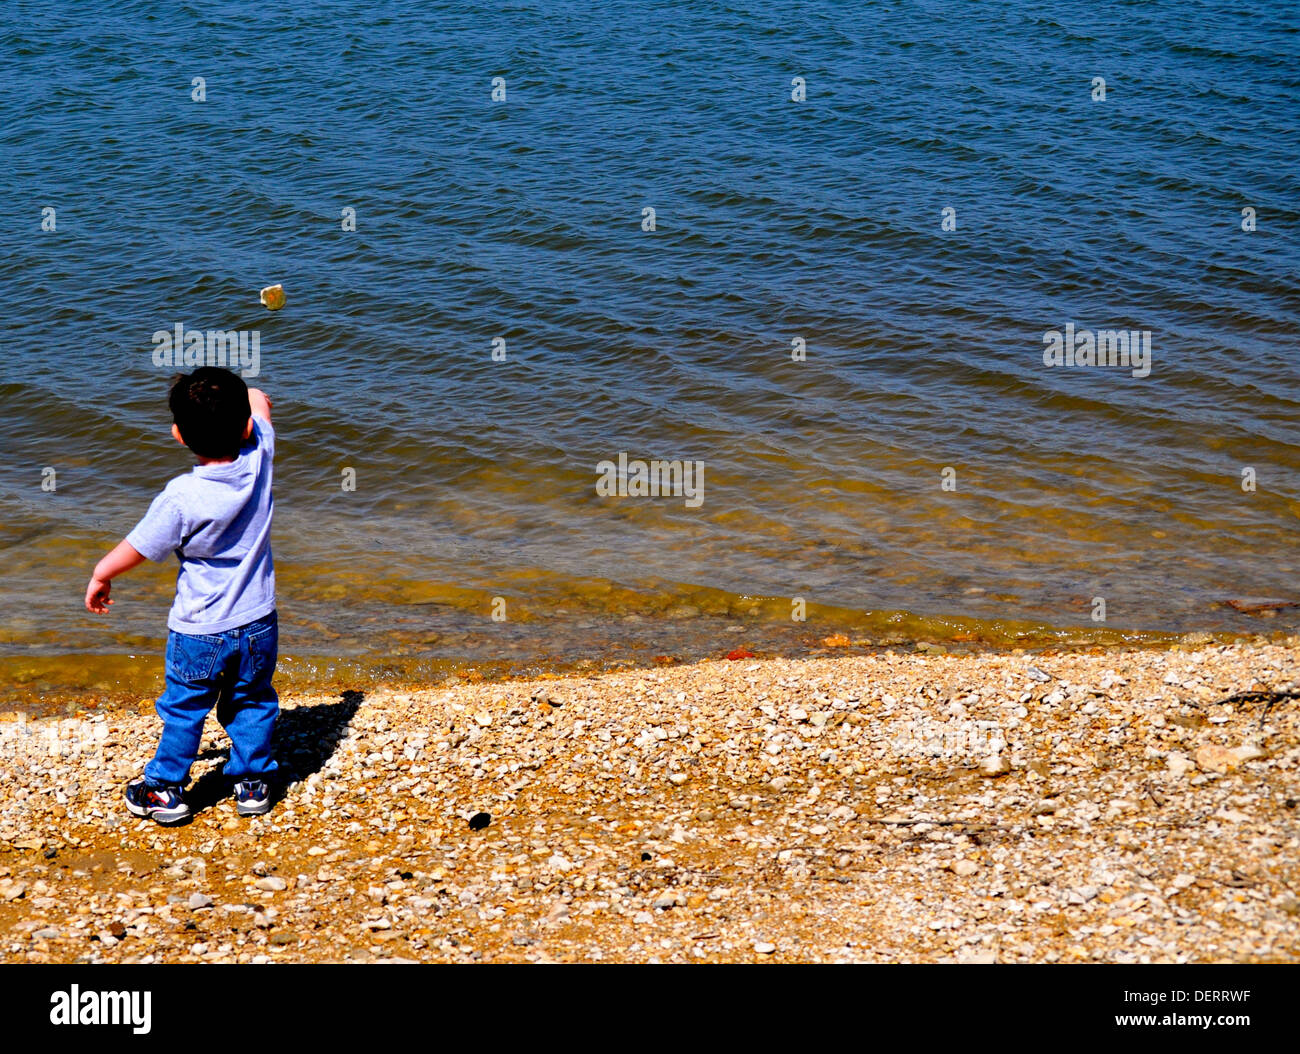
x: 211, y: 411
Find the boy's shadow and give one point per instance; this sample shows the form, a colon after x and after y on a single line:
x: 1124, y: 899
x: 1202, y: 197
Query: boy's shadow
x: 305, y: 739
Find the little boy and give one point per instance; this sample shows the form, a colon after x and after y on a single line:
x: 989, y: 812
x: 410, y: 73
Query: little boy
x: 221, y: 648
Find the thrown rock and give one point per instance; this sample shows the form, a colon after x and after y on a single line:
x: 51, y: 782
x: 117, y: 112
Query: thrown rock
x: 272, y: 297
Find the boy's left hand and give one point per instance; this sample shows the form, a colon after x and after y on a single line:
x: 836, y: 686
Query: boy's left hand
x: 97, y: 596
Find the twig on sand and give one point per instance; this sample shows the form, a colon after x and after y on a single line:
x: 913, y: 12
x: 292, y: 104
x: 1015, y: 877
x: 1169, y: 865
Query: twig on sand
x: 1269, y: 697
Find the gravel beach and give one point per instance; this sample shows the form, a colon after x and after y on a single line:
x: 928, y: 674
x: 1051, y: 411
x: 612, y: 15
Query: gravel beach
x: 1114, y: 806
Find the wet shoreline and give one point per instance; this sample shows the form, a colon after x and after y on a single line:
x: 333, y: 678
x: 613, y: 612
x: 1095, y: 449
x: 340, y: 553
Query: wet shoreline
x: 65, y: 683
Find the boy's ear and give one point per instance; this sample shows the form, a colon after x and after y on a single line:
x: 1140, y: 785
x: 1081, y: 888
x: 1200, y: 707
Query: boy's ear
x: 176, y: 431
x: 248, y: 428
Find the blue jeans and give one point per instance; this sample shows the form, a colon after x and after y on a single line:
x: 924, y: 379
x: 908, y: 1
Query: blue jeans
x: 232, y: 671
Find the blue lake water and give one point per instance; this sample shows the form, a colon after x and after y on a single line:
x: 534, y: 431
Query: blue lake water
x: 779, y: 223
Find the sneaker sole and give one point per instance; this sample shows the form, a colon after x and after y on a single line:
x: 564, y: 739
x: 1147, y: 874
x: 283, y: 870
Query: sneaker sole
x: 253, y: 810
x: 162, y: 816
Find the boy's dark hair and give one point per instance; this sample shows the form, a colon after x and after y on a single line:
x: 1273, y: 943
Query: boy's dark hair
x: 210, y: 407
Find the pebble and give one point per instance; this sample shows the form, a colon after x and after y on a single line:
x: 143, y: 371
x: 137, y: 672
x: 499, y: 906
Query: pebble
x: 271, y: 884
x: 199, y: 900
x: 994, y: 765
x: 1230, y: 816
x: 1214, y: 758
x: 764, y: 948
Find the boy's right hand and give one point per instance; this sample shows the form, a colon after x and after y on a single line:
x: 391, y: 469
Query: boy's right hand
x: 97, y: 596
x: 260, y: 403
x: 123, y: 557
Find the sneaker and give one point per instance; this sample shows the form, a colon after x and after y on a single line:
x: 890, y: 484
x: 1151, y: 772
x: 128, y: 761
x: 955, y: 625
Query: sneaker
x: 161, y: 804
x: 252, y: 797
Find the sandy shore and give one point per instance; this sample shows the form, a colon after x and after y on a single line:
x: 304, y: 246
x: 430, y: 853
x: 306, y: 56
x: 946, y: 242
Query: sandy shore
x: 898, y: 806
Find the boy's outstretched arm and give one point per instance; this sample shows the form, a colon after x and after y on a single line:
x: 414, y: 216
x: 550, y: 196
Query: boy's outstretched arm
x: 122, y: 558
